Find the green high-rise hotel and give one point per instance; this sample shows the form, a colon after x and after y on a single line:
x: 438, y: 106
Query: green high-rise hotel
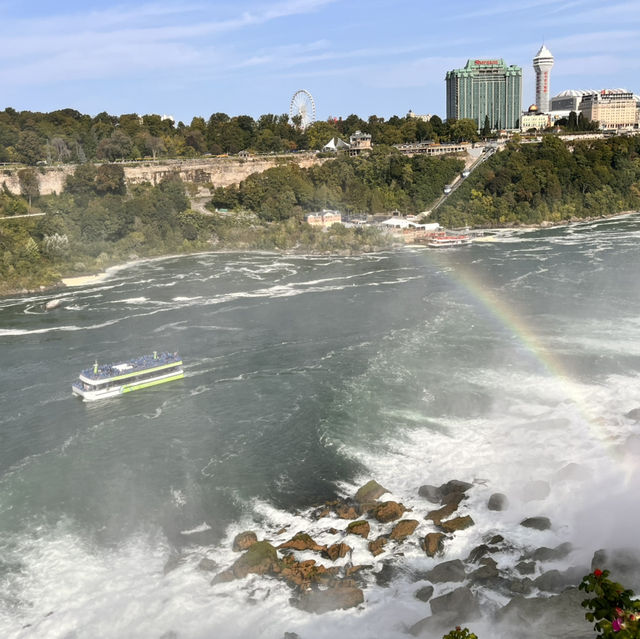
x: 486, y: 88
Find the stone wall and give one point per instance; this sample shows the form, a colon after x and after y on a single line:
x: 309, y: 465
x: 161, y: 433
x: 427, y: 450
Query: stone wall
x: 217, y: 171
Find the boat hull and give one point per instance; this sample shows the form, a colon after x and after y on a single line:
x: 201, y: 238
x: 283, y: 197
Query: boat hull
x: 114, y: 391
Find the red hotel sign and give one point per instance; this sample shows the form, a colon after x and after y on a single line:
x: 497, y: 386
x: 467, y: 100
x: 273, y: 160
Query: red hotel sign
x: 485, y: 62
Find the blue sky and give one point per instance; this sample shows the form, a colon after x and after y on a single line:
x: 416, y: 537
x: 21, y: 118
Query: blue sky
x: 380, y: 57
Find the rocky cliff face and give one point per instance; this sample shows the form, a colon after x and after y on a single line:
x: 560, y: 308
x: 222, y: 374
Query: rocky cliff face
x: 217, y: 171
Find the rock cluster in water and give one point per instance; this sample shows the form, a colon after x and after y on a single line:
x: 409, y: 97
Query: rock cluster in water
x: 456, y: 588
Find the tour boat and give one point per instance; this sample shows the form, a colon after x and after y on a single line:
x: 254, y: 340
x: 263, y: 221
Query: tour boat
x: 448, y: 241
x: 110, y: 380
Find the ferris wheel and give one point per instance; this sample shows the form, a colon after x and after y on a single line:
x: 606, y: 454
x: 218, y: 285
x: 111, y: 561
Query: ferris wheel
x: 302, y: 104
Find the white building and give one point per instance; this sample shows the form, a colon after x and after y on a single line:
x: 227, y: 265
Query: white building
x: 324, y: 218
x: 612, y: 108
x: 542, y: 64
x: 359, y: 143
x: 425, y: 118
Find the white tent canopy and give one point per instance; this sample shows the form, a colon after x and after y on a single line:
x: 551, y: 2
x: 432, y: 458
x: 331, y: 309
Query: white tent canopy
x: 335, y: 144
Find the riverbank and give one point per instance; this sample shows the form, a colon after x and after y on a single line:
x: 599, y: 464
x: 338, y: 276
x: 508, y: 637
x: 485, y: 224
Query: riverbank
x: 72, y: 281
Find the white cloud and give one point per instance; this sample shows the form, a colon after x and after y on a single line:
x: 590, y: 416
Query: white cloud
x: 121, y: 41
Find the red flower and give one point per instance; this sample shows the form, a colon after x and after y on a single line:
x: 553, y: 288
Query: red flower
x: 597, y: 573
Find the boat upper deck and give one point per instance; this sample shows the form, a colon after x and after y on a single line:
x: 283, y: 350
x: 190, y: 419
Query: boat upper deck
x: 140, y: 364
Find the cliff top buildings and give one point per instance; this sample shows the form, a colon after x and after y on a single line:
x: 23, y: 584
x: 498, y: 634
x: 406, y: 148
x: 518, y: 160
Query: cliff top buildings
x: 612, y: 108
x: 486, y: 88
x: 425, y: 117
x: 359, y: 143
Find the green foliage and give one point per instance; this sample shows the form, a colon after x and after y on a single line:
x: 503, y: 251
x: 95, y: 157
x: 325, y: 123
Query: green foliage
x: 381, y: 182
x: 460, y: 633
x: 69, y: 136
x: 531, y: 183
x: 611, y: 608
x: 95, y: 222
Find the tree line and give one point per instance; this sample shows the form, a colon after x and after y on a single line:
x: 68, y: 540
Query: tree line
x: 382, y: 182
x: 68, y: 136
x: 551, y: 181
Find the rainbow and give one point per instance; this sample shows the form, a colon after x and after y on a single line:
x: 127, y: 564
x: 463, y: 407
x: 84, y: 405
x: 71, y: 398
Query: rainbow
x: 505, y: 315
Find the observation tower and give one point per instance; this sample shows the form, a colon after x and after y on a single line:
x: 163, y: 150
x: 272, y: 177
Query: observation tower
x: 543, y: 63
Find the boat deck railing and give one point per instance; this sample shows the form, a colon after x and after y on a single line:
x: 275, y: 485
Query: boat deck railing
x: 104, y: 371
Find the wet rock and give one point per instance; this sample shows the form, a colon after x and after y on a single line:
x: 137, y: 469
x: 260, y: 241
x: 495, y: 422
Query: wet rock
x: 498, y: 501
x: 633, y: 414
x: 557, y: 581
x: 536, y: 490
x: 244, y: 540
x: 386, y: 574
x: 526, y: 567
x: 53, y: 304
x: 208, y: 565
x: 346, y: 511
x: 550, y: 554
x: 371, y: 491
x: 560, y: 616
x: 453, y: 487
x: 367, y: 507
x: 360, y: 527
x: 572, y: 472
x: 424, y: 594
x: 478, y: 552
x: 494, y: 539
x: 403, y: 529
x: 537, y: 523
x: 447, y: 571
x: 447, y: 510
x: 444, y: 493
x: 302, y: 541
x: 350, y: 570
x: 452, y: 609
x: 322, y: 511
x: 377, y: 547
x: 458, y: 523
x: 303, y: 573
x: 388, y: 511
x: 336, y: 551
x: 260, y: 559
x: 430, y: 493
x: 433, y: 544
x: 172, y: 563
x: 485, y: 574
x: 223, y: 577
x: 291, y: 635
x: 521, y: 586
x: 339, y: 598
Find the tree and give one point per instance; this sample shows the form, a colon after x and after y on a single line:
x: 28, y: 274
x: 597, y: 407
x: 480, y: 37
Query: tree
x: 572, y: 124
x: 464, y: 129
x: 486, y: 129
x: 110, y: 179
x: 154, y: 145
x: 61, y: 149
x: 29, y: 184
x: 117, y: 146
x: 29, y: 148
x: 460, y: 633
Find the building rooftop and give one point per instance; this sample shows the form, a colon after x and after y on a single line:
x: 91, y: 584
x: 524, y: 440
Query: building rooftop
x: 544, y: 53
